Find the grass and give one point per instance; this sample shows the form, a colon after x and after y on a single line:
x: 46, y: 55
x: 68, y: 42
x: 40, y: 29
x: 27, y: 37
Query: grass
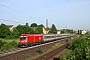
x: 28, y: 57
x: 8, y: 44
x: 9, y: 40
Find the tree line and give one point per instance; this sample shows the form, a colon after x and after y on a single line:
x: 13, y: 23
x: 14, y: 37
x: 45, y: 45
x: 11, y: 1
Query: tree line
x: 66, y: 31
x: 20, y: 29
x: 32, y: 29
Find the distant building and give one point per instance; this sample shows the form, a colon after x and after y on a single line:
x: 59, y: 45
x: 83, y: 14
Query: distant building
x: 46, y: 30
x: 84, y: 31
x: 11, y: 27
x: 58, y: 31
x: 34, y: 28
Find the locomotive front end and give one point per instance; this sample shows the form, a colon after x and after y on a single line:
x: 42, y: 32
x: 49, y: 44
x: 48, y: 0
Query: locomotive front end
x: 23, y: 41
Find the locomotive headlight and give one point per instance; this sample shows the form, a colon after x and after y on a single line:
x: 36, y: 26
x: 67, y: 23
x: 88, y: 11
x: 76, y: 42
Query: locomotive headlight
x: 25, y: 41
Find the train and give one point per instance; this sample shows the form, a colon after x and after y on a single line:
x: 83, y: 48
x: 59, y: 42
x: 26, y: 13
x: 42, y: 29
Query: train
x: 26, y: 40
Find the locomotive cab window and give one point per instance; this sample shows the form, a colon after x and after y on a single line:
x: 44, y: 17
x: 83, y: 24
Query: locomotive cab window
x: 22, y: 37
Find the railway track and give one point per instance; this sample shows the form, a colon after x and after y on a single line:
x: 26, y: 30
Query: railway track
x: 20, y: 53
x: 52, y: 53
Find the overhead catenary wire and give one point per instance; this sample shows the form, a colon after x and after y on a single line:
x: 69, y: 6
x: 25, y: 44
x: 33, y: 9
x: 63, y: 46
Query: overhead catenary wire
x: 18, y: 11
x: 11, y: 21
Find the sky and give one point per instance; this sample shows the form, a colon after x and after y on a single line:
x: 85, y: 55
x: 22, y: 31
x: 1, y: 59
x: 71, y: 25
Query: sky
x: 71, y: 14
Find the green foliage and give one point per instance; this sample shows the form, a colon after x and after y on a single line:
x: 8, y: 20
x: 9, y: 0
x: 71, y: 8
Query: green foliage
x: 31, y: 31
x: 39, y: 30
x: 27, y: 29
x: 14, y: 34
x: 27, y: 24
x: 24, y: 29
x: 66, y: 40
x: 7, y: 46
x: 13, y: 44
x: 39, y: 51
x: 20, y: 29
x: 56, y: 45
x: 41, y: 25
x: 70, y: 31
x: 1, y: 43
x: 53, y: 29
x: 79, y: 49
x: 34, y: 25
x: 28, y: 57
x: 4, y: 31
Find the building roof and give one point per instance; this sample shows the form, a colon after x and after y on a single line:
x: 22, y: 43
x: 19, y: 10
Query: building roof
x: 10, y: 26
x: 47, y: 29
x: 34, y: 28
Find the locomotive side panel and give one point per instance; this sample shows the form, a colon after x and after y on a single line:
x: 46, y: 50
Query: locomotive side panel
x: 38, y: 38
x: 31, y: 38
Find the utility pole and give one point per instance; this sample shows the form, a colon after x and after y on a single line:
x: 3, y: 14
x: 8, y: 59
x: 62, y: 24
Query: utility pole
x: 46, y: 26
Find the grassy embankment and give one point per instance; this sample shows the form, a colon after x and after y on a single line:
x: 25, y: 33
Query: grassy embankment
x: 7, y: 44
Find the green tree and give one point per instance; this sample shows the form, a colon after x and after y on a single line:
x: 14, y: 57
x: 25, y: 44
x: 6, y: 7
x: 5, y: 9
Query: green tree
x: 24, y: 29
x: 41, y: 25
x: 63, y: 31
x: 53, y: 29
x: 20, y: 29
x: 14, y: 33
x: 79, y: 49
x: 27, y: 29
x: 69, y: 31
x: 4, y: 31
x: 34, y: 25
x: 27, y: 24
x: 39, y: 30
x: 31, y: 31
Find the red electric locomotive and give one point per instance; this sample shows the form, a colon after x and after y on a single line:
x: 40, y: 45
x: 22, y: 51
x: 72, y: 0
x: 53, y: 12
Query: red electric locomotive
x: 30, y: 39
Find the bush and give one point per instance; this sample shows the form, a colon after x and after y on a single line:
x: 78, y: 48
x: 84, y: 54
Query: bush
x: 79, y: 49
x: 66, y: 40
x: 7, y: 46
x: 39, y: 51
x: 1, y: 43
x: 13, y: 44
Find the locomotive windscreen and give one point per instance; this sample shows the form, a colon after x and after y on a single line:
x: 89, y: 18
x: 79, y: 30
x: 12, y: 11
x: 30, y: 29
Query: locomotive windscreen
x: 22, y: 37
